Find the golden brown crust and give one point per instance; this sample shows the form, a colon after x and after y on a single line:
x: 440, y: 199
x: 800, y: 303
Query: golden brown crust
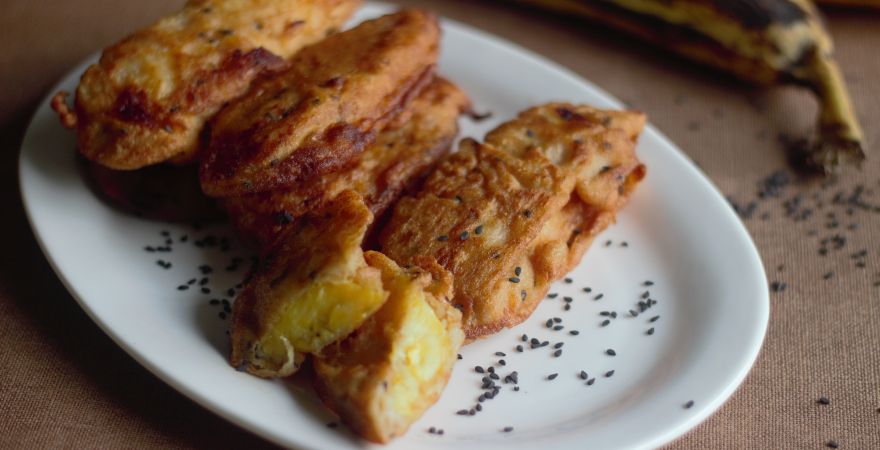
x: 323, y: 110
x: 538, y: 192
x: 415, y: 139
x: 477, y: 215
x: 149, y: 96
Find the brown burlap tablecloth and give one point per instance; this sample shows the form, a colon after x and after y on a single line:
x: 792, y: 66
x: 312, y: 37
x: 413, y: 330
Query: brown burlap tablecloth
x: 63, y: 383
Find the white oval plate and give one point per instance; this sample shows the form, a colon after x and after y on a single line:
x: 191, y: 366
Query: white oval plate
x: 680, y: 233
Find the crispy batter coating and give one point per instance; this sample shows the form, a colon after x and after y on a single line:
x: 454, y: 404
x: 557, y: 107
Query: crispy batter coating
x: 532, y: 198
x: 391, y: 369
x: 162, y: 191
x: 312, y: 288
x: 147, y: 99
x: 323, y: 110
x: 418, y: 136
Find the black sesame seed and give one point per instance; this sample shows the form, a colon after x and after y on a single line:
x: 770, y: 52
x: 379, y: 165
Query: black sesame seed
x: 500, y: 354
x: 479, y: 369
x: 494, y: 376
x: 523, y: 294
x: 558, y: 327
x: 654, y: 319
x: 517, y: 271
x: 182, y: 287
x: 823, y: 401
x: 608, y: 243
x: 567, y: 299
x: 524, y: 338
x: 552, y: 376
x: 610, y: 352
x: 502, y: 362
x: 613, y: 314
x: 478, y: 230
x: 689, y: 404
x: 464, y: 235
x: 648, y: 283
x: 442, y: 238
x: 557, y: 320
x: 591, y: 381
x: 507, y: 429
x: 516, y: 388
x: 605, y: 323
x: 549, y: 323
x: 832, y: 444
x: 545, y: 343
x: 567, y: 307
x: 568, y: 280
x: 650, y: 331
x: 557, y: 353
x: 519, y: 348
x: 605, y: 313
x: 552, y: 295
x: 624, y: 244
x: 459, y: 356
x: 513, y: 279
x: 191, y: 281
x: 203, y: 281
x: 574, y: 332
x: 461, y: 412
x: 478, y: 407
x: 633, y: 313
x: 558, y: 344
x: 599, y: 297
x: 646, y: 294
x: 528, y: 213
x: 587, y: 289
x: 431, y: 430
x: 214, y: 301
x: 609, y: 374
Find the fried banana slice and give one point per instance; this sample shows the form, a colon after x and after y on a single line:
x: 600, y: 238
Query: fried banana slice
x: 148, y: 97
x: 390, y: 370
x: 416, y: 138
x: 324, y: 109
x: 477, y: 215
x: 313, y: 287
x: 509, y: 217
x: 162, y: 192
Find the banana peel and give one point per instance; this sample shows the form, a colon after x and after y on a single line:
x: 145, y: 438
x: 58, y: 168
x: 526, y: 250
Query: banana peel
x: 765, y: 42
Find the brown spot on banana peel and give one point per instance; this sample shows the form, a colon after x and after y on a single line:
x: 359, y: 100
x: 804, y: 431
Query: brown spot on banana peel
x: 761, y: 41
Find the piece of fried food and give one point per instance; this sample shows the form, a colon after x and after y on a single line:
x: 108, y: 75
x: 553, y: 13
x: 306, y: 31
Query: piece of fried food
x: 416, y: 138
x: 162, y: 191
x: 323, y: 110
x: 477, y: 215
x: 312, y: 288
x: 509, y: 220
x: 391, y: 369
x: 149, y: 96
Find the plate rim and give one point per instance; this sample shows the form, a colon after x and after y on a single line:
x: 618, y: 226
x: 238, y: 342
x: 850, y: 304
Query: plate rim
x: 499, y: 44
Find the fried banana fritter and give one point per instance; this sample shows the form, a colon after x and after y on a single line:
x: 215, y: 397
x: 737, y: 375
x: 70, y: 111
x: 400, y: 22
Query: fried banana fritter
x: 312, y: 288
x: 415, y: 139
x: 161, y: 191
x: 509, y: 217
x: 148, y: 97
x: 323, y: 110
x: 391, y: 369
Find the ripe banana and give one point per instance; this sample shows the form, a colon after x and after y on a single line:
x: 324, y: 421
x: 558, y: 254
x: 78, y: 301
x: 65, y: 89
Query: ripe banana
x: 761, y: 41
